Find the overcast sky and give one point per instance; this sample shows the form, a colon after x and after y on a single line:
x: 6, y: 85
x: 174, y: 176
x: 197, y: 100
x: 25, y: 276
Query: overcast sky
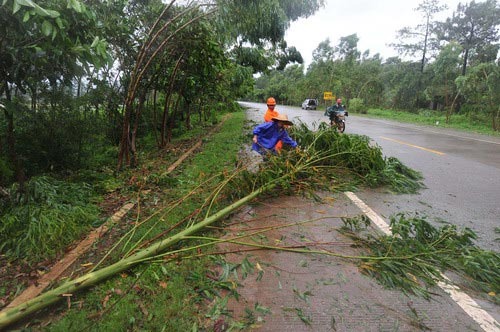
x: 376, y: 23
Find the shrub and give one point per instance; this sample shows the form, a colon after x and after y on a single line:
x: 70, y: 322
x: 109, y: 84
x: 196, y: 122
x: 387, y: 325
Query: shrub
x: 357, y: 105
x: 5, y: 171
x: 45, y: 218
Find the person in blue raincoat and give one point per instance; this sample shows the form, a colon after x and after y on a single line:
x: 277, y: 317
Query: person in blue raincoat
x: 266, y: 135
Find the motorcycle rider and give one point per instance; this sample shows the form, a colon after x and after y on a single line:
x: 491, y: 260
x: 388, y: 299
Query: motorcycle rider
x: 333, y: 113
x: 337, y: 107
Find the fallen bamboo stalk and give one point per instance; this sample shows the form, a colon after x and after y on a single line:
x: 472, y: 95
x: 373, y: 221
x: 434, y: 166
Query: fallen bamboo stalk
x: 11, y: 315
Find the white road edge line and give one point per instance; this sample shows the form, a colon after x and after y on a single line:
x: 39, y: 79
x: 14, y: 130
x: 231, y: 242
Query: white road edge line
x: 471, y: 307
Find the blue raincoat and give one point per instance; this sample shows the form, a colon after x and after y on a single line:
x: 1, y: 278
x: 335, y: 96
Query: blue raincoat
x: 268, y: 134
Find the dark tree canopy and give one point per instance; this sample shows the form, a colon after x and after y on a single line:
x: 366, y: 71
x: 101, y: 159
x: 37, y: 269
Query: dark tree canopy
x: 475, y: 27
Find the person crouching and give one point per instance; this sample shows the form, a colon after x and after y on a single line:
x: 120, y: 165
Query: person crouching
x: 266, y: 135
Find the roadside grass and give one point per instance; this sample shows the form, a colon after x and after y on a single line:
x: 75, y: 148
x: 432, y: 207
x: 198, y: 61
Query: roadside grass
x: 163, y: 295
x: 465, y: 122
x: 155, y: 297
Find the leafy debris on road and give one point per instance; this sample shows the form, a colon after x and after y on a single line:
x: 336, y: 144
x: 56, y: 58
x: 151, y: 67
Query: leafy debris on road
x: 416, y: 253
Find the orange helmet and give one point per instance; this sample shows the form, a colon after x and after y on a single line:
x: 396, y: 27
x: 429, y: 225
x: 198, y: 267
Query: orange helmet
x: 271, y: 101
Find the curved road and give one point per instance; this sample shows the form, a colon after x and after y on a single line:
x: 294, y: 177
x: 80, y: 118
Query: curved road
x: 461, y: 171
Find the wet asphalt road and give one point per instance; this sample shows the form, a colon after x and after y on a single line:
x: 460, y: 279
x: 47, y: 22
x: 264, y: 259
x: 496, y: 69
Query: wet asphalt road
x: 461, y: 171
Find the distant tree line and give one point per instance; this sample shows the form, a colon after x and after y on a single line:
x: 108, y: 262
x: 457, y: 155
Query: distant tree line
x: 457, y: 67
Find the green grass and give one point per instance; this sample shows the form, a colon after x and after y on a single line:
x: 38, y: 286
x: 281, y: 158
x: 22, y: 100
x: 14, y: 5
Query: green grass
x: 164, y: 295
x: 155, y: 297
x: 48, y: 216
x: 464, y: 122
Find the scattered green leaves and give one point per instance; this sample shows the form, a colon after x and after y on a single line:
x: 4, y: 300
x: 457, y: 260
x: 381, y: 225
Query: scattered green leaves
x: 356, y: 223
x: 413, y: 258
x: 304, y: 296
x: 298, y: 311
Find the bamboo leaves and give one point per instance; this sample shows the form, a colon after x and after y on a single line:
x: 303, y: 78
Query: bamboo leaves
x: 333, y: 161
x: 417, y: 252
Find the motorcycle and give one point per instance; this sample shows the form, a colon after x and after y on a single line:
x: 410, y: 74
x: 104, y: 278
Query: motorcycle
x: 337, y: 120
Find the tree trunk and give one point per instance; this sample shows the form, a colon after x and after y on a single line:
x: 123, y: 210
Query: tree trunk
x: 168, y: 96
x: 11, y: 141
x: 464, y: 64
x: 124, y: 153
x: 449, y: 112
x: 155, y: 118
x: 422, y: 63
x: 188, y: 116
x: 171, y: 120
x: 494, y: 120
x: 163, y: 130
x: 133, y: 136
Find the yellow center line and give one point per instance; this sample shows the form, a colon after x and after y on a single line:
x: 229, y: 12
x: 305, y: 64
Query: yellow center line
x: 413, y: 146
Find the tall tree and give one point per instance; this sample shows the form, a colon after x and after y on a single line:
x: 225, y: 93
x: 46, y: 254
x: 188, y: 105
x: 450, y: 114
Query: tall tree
x: 160, y: 38
x: 441, y: 89
x: 344, y: 71
x: 261, y: 25
x: 481, y: 87
x: 324, y: 52
x: 400, y: 83
x: 419, y: 39
x: 258, y: 22
x: 347, y: 49
x: 475, y: 27
x: 320, y: 73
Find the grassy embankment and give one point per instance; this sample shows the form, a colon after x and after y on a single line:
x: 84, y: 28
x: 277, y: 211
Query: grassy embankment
x: 463, y: 122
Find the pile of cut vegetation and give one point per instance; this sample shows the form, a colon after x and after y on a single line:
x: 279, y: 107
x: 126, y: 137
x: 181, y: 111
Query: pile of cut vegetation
x: 328, y: 160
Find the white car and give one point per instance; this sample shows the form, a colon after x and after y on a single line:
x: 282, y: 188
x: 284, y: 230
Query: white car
x: 310, y: 104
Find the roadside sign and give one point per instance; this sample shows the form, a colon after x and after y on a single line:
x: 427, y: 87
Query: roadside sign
x: 327, y: 95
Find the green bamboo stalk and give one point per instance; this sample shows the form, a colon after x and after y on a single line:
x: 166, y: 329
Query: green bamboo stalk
x: 11, y: 315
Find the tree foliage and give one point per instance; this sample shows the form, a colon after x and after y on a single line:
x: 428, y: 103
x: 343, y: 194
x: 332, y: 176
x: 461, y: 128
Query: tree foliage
x: 110, y: 73
x: 42, y: 51
x: 475, y: 27
x: 422, y: 38
x: 481, y: 88
x: 431, y: 81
